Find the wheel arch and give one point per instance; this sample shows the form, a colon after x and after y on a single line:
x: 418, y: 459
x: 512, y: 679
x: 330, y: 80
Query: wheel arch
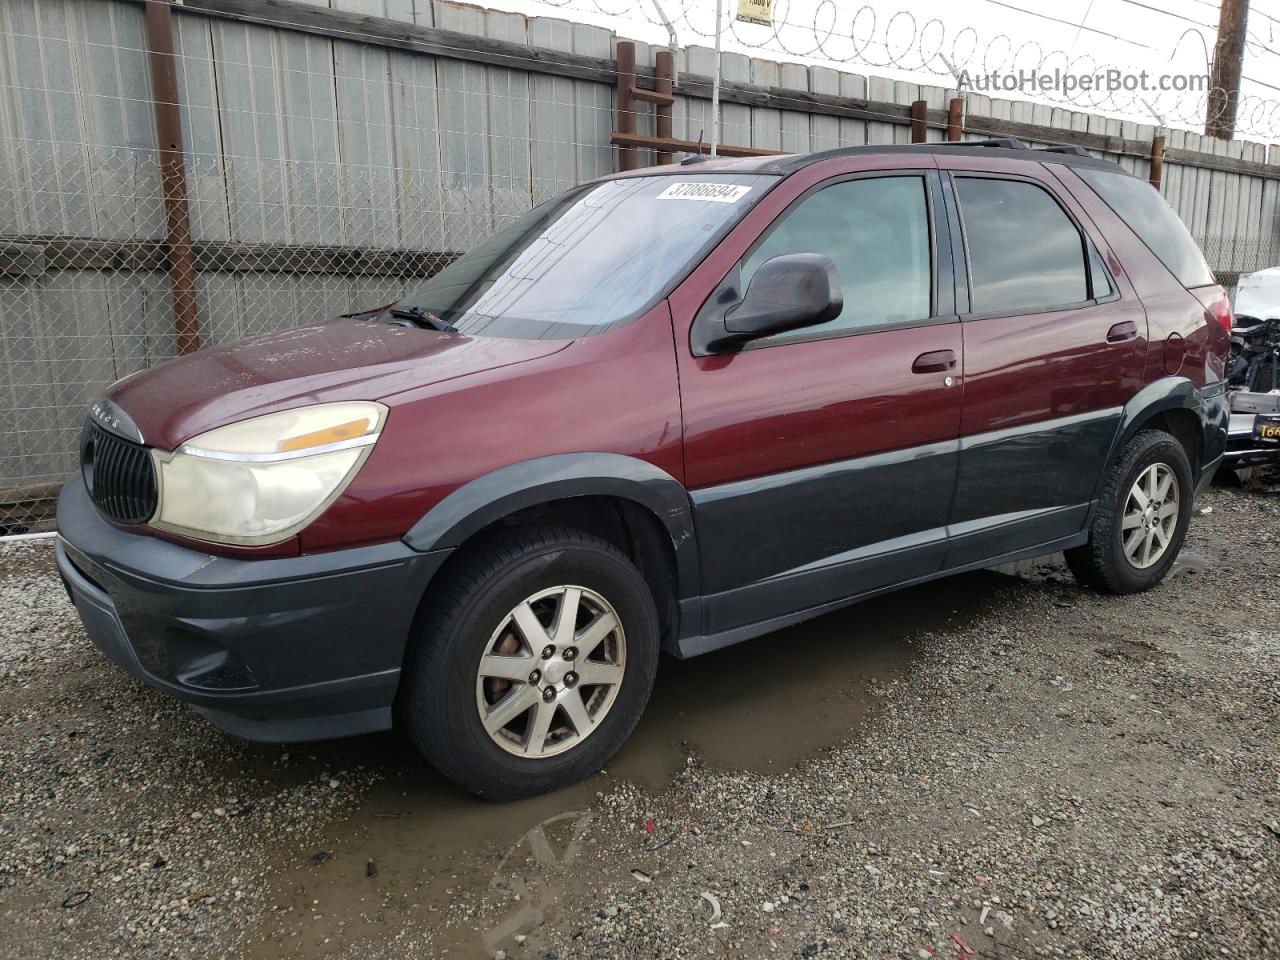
x: 630, y: 502
x: 1172, y: 404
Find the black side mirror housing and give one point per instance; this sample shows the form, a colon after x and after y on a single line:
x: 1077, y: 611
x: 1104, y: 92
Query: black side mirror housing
x: 791, y: 291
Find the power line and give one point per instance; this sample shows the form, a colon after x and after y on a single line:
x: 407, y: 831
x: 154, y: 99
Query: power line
x: 1170, y: 13
x: 1261, y: 83
x: 1209, y: 26
x: 1069, y: 23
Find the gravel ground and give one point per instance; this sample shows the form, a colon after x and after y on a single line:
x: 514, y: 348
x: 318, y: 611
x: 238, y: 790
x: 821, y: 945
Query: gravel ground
x: 1068, y: 775
x: 127, y: 827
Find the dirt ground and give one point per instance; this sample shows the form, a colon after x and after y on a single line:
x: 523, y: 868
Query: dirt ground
x: 991, y: 766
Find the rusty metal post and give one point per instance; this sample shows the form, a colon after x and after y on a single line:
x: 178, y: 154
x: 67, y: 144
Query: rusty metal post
x: 626, y: 57
x: 919, y: 113
x: 955, y: 119
x: 173, y: 173
x: 664, y: 68
x: 1157, y: 160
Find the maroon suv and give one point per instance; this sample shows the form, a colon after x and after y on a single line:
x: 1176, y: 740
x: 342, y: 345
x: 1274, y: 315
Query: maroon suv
x: 669, y: 410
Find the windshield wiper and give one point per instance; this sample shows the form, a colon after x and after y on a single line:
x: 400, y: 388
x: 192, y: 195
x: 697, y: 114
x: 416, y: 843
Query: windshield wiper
x: 423, y: 318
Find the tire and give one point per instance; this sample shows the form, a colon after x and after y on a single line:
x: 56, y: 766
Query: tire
x: 1103, y: 562
x: 470, y: 615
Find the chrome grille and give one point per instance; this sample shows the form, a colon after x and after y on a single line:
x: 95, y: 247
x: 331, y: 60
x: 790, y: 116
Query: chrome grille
x: 118, y: 474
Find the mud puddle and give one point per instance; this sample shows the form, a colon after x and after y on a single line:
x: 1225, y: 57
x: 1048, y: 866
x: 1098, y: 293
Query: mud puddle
x: 411, y: 866
x: 1053, y: 569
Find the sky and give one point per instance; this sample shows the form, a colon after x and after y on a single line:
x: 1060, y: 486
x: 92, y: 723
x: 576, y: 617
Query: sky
x: 915, y: 41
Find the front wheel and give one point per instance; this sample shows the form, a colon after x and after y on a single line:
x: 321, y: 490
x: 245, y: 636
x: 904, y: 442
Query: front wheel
x: 532, y: 664
x: 1141, y: 519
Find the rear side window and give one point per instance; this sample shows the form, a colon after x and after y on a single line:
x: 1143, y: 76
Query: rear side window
x: 1025, y: 253
x: 876, y: 231
x: 1140, y: 206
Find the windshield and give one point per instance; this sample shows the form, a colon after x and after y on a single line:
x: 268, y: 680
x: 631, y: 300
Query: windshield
x: 593, y: 257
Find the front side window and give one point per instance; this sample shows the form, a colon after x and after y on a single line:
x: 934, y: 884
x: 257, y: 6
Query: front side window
x: 588, y: 259
x: 876, y: 231
x: 1025, y: 253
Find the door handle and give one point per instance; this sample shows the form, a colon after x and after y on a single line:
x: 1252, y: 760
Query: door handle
x: 935, y: 361
x: 1125, y: 330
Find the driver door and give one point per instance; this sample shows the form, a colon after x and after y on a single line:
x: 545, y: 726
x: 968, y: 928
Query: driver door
x: 821, y: 461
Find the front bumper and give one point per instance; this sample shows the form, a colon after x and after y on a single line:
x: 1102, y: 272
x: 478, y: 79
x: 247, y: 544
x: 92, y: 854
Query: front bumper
x: 294, y: 648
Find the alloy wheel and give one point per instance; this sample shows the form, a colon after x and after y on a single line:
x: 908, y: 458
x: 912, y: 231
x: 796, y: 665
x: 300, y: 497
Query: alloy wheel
x: 551, y: 671
x: 1150, y: 516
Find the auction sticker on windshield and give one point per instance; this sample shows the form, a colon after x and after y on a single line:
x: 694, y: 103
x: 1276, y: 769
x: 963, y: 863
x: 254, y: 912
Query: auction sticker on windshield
x: 712, y: 192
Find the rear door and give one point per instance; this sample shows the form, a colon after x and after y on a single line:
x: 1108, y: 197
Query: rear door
x: 1054, y: 345
x: 821, y: 461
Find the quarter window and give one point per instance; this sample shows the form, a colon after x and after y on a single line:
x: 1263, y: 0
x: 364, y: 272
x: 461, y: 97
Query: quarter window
x: 1024, y: 251
x: 1101, y: 280
x: 1154, y: 221
x: 876, y: 231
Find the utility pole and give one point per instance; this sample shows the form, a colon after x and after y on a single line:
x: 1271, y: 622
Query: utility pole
x: 1224, y: 72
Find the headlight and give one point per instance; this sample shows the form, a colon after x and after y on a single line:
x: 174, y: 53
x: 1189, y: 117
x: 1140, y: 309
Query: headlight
x: 262, y: 480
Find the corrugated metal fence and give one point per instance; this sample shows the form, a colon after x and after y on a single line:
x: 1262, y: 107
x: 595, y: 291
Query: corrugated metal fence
x: 335, y: 157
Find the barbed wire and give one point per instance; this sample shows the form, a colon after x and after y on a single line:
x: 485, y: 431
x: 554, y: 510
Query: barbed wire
x: 924, y: 48
x: 873, y: 38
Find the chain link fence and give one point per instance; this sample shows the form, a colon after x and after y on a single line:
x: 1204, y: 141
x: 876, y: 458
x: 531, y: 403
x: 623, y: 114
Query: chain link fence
x: 323, y: 176
x: 1231, y: 257
x: 78, y: 312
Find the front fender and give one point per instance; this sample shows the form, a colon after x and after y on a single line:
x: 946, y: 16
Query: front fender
x: 505, y: 491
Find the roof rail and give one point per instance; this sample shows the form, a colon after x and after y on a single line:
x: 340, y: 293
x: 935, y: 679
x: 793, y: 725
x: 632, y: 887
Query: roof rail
x: 1008, y: 143
x: 789, y: 164
x: 1072, y: 149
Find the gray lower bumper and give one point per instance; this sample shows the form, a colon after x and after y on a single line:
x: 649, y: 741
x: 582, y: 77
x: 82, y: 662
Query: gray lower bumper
x: 282, y: 649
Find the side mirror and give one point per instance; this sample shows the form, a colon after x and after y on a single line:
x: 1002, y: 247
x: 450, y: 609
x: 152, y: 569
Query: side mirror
x: 787, y: 292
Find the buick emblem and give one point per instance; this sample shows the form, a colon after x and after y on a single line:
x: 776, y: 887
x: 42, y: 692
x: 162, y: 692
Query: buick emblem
x: 111, y: 418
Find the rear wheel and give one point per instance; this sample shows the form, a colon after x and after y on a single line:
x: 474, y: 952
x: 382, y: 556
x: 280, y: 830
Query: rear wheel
x: 1141, y: 519
x: 533, y: 665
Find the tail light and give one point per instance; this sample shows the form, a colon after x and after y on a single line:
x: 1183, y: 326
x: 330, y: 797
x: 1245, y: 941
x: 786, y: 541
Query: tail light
x: 1220, y: 310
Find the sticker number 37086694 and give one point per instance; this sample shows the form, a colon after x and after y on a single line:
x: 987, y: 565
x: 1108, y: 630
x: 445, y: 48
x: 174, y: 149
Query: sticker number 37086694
x: 710, y: 192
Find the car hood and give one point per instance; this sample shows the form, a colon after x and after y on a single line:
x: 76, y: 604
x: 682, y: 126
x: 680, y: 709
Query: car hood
x: 343, y: 360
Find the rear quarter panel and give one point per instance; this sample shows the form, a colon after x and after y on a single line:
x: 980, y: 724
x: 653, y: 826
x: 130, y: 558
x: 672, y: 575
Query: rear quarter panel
x: 1184, y: 340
